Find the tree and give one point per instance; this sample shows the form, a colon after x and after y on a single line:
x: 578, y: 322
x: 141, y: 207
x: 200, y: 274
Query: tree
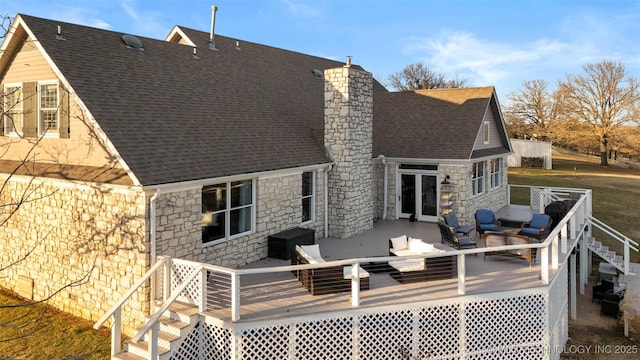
x: 532, y: 111
x: 420, y: 76
x: 603, y: 97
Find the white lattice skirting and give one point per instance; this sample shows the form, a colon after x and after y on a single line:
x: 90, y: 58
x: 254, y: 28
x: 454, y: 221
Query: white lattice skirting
x: 522, y: 324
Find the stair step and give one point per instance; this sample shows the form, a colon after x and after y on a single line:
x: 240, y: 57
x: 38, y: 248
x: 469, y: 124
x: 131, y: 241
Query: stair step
x: 173, y: 326
x: 164, y: 338
x: 126, y: 356
x: 141, y: 348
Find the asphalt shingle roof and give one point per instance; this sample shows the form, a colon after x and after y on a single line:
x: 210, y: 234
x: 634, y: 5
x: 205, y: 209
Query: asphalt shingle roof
x: 174, y: 118
x: 430, y: 124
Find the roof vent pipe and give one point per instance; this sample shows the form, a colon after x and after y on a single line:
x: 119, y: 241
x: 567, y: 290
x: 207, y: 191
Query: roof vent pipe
x: 212, y: 44
x: 59, y: 34
x: 348, y: 61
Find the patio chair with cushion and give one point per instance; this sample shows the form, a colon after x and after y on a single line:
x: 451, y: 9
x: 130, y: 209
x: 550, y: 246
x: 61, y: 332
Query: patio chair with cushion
x: 324, y: 280
x: 605, y: 286
x: 486, y: 221
x: 492, y: 239
x: 449, y: 237
x: 539, y: 226
x: 419, y: 269
x: 610, y: 304
x: 452, y: 220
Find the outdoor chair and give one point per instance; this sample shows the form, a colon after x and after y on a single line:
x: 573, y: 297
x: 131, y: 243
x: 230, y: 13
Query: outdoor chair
x: 605, y: 286
x: 325, y: 280
x: 610, y: 304
x: 419, y: 269
x: 452, y: 220
x: 494, y: 239
x: 449, y: 237
x: 539, y: 227
x: 486, y: 221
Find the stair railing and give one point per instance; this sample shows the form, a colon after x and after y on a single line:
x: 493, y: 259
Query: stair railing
x: 116, y: 309
x: 626, y: 242
x: 152, y: 323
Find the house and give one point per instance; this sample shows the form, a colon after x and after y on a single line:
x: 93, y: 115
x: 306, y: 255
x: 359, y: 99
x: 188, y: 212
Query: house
x: 117, y: 149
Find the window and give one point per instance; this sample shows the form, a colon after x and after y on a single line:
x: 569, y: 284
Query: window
x: 48, y: 104
x: 477, y: 178
x: 13, y: 105
x: 485, y: 132
x: 227, y: 210
x: 496, y: 173
x: 308, y: 196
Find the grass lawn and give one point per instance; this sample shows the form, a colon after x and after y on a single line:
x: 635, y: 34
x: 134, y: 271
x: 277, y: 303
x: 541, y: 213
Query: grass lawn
x: 45, y: 333
x: 616, y: 191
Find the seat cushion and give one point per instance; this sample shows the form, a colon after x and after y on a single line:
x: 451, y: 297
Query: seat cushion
x: 310, y: 252
x: 484, y: 216
x: 346, y: 272
x: 408, y: 265
x: 452, y: 220
x: 530, y: 231
x: 400, y: 242
x: 490, y: 226
x: 539, y: 221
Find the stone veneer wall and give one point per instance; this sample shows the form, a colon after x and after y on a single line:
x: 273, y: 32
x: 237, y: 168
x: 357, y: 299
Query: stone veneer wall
x: 90, y: 234
x: 465, y: 204
x: 378, y: 190
x: 348, y: 138
x: 278, y: 208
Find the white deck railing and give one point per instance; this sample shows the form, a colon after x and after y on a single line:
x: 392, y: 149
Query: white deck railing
x: 188, y: 281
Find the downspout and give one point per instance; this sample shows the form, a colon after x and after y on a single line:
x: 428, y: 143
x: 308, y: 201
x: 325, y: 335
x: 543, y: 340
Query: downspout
x: 326, y: 200
x: 152, y: 224
x: 152, y: 240
x: 384, y: 197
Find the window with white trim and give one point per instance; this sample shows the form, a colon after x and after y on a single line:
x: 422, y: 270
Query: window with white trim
x: 496, y: 173
x: 48, y: 104
x: 477, y: 178
x: 13, y: 119
x: 308, y: 196
x: 227, y: 210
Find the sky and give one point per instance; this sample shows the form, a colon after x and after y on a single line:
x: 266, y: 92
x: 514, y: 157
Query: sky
x: 499, y: 43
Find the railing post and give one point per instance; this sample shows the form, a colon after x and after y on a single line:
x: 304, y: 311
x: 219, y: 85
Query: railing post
x: 153, y: 342
x: 203, y: 290
x: 167, y: 278
x: 554, y: 252
x: 355, y: 285
x: 235, y: 297
x: 563, y: 239
x: 116, y: 331
x: 544, y: 265
x: 627, y: 268
x: 461, y: 274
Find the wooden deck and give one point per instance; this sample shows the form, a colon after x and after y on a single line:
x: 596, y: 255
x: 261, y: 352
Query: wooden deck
x: 276, y: 295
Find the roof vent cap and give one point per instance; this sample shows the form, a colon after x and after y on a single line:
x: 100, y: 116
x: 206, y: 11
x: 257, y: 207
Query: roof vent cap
x: 132, y: 42
x: 317, y: 73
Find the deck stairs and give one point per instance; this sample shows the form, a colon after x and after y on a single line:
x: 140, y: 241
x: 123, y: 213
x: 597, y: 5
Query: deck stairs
x: 609, y: 255
x: 174, y: 327
x: 606, y: 254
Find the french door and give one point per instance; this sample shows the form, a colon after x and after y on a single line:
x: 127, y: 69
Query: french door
x: 418, y: 196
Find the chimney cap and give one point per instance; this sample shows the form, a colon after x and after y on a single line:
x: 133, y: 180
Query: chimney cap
x: 348, y: 64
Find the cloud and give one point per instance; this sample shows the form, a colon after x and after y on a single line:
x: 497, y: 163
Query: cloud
x: 483, y: 61
x: 82, y: 16
x: 147, y: 22
x: 302, y: 10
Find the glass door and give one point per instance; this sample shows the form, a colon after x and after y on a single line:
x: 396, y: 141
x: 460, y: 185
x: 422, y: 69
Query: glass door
x: 418, y: 196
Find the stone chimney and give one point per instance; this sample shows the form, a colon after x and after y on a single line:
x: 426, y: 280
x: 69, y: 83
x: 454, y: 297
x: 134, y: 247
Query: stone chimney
x: 348, y: 131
